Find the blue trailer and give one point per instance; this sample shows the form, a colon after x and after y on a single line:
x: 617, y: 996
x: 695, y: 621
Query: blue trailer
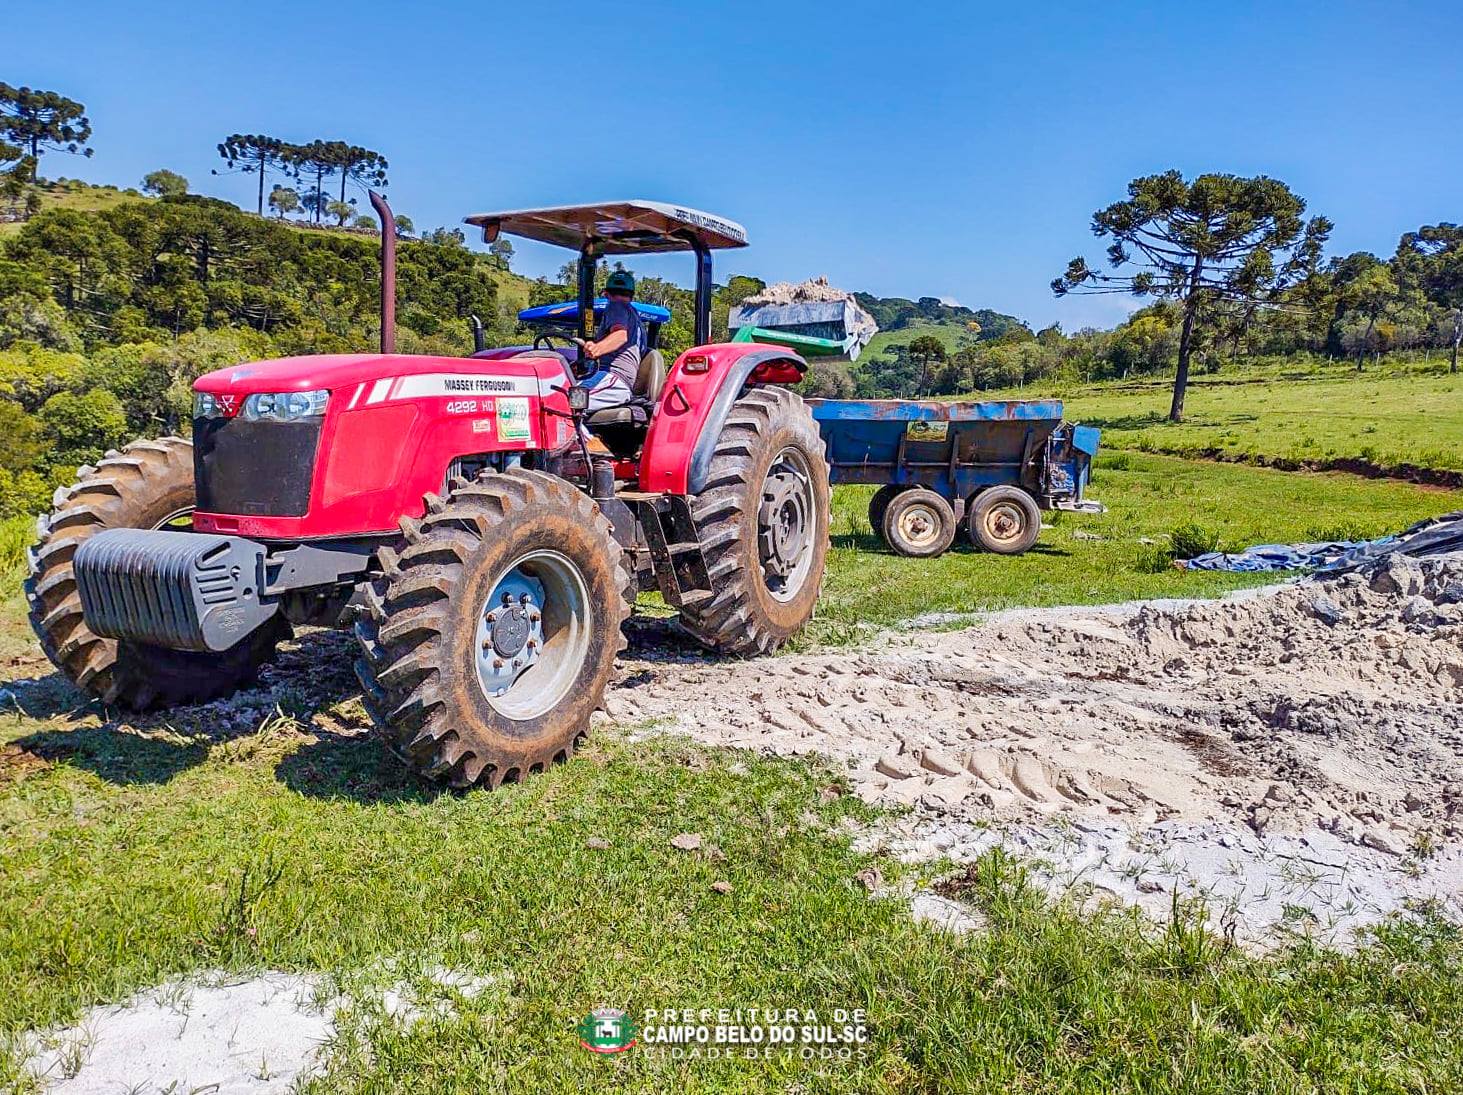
x: 989, y: 467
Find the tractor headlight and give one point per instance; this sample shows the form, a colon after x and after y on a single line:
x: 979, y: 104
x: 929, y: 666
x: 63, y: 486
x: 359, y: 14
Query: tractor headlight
x: 284, y: 406
x: 207, y: 405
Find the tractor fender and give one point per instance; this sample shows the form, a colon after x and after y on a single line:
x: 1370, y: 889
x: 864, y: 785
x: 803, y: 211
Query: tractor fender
x: 694, y: 403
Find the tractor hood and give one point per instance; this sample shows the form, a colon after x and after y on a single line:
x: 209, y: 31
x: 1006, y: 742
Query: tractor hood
x: 331, y: 372
x: 387, y: 436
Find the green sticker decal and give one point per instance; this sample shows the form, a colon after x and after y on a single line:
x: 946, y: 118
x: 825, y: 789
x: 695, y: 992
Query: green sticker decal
x: 927, y: 431
x: 513, y: 422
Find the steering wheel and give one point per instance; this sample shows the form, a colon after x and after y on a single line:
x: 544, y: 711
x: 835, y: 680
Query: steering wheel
x: 547, y: 341
x: 579, y: 365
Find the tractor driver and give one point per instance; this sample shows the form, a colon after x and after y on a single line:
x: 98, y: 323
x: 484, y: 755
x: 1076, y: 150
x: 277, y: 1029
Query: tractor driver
x: 616, y: 346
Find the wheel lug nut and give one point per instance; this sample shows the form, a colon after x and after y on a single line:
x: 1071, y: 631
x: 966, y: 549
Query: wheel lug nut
x: 497, y: 663
x: 533, y: 644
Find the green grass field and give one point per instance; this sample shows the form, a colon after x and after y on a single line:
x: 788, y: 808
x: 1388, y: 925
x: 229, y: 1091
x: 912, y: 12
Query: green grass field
x: 145, y: 854
x: 130, y: 853
x: 1385, y: 422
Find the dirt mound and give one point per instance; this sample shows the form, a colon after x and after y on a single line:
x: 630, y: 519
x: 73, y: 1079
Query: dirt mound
x: 801, y: 292
x: 1336, y: 704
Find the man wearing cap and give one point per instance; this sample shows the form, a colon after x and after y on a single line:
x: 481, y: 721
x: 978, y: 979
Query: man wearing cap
x: 616, y: 346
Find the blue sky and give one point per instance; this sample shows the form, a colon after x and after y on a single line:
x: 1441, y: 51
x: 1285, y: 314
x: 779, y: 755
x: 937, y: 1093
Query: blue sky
x: 919, y: 149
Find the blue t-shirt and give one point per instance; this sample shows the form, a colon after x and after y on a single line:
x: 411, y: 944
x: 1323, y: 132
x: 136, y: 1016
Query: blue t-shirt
x: 626, y: 360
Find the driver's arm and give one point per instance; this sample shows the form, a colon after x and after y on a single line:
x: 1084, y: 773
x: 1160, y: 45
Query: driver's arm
x: 613, y: 340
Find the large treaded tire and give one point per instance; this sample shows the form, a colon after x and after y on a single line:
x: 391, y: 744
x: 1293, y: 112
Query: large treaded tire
x: 741, y: 616
x: 139, y: 487
x: 418, y: 634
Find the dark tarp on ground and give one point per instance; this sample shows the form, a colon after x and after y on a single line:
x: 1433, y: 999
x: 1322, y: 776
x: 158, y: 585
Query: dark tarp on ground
x: 1435, y: 536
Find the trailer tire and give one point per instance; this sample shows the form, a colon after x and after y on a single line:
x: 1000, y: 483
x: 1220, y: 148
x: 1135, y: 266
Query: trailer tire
x: 1004, y: 520
x: 880, y: 502
x: 148, y: 484
x: 919, y: 523
x: 514, y: 565
x: 762, y: 522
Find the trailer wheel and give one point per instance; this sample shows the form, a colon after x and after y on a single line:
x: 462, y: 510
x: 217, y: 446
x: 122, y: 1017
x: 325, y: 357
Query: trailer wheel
x: 763, y: 526
x: 494, y: 633
x: 880, y: 502
x: 919, y: 523
x: 148, y: 485
x: 1004, y: 520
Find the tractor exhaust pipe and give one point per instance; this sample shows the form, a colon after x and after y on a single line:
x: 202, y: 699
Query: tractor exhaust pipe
x: 388, y: 273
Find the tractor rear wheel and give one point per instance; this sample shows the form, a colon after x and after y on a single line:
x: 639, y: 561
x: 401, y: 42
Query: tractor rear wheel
x: 492, y: 636
x: 148, y: 485
x: 763, y: 525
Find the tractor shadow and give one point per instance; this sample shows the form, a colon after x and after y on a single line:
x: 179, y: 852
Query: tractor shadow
x: 660, y: 639
x: 306, y: 699
x: 858, y: 540
x: 352, y: 768
x: 113, y: 753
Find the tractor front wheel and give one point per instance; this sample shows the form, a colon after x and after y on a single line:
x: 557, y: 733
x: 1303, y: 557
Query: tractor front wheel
x: 148, y: 485
x: 494, y: 633
x: 763, y: 526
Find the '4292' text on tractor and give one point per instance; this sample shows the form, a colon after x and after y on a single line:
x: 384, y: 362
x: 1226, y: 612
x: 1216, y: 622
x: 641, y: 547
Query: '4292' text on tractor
x: 451, y: 510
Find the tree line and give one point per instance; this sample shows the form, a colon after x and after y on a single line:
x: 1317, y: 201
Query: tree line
x: 314, y: 163
x: 1240, y: 264
x: 34, y: 122
x: 1231, y: 271
x: 107, y: 317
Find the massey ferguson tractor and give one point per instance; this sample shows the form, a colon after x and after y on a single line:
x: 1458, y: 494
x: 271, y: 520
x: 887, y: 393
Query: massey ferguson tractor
x: 453, y: 511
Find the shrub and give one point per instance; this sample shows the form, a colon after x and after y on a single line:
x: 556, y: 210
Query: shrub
x: 22, y: 495
x: 81, y: 427
x: 1191, y: 539
x: 16, y: 534
x: 1152, y: 559
x: 828, y: 379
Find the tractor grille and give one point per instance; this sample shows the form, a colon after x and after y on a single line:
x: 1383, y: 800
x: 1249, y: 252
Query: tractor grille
x: 258, y: 468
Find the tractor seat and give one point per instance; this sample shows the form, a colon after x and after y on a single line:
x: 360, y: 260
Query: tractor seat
x: 648, y: 383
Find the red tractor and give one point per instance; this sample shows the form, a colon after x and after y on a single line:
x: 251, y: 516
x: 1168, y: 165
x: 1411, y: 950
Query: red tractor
x: 451, y: 509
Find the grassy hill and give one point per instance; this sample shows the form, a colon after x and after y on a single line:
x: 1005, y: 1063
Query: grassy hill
x: 900, y: 320
x: 952, y: 335
x: 78, y: 195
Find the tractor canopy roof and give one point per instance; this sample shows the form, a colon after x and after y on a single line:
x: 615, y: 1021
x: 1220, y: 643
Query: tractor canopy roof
x: 566, y: 314
x: 618, y: 228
